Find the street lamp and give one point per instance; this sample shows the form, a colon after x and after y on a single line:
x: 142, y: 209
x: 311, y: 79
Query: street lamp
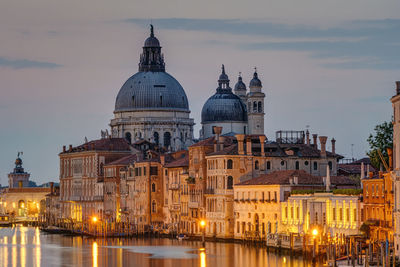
x: 94, y: 220
x: 314, y: 234
x: 203, y: 227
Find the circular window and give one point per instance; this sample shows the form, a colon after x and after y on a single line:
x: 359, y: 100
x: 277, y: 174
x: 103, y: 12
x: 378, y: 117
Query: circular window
x: 306, y: 163
x: 282, y: 163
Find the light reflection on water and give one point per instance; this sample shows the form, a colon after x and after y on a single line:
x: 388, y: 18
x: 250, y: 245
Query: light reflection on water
x: 30, y: 247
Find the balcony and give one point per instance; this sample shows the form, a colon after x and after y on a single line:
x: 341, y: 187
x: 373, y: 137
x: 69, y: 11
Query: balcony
x: 98, y: 198
x: 175, y: 207
x: 173, y: 186
x: 193, y: 205
x: 209, y: 191
x: 75, y: 198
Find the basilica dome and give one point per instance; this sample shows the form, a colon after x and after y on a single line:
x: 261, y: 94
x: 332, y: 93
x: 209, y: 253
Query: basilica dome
x: 151, y: 88
x: 224, y: 106
x: 151, y: 91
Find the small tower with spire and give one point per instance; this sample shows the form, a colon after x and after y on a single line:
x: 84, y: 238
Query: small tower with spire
x: 255, y: 105
x: 240, y: 89
x: 18, y: 178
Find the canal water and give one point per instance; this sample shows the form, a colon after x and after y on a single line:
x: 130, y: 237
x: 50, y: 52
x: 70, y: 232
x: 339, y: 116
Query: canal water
x: 28, y: 246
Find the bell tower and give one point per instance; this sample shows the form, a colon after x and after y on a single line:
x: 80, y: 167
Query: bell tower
x: 18, y: 178
x: 255, y: 105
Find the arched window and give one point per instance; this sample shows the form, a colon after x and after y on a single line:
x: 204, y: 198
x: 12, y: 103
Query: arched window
x: 315, y: 166
x: 297, y: 165
x: 330, y: 165
x: 156, y: 138
x: 259, y: 106
x: 128, y: 137
x: 230, y: 164
x: 255, y: 106
x: 282, y: 163
x: 167, y: 139
x: 153, y: 187
x: 268, y: 165
x: 154, y: 207
x: 230, y: 182
x: 256, y: 165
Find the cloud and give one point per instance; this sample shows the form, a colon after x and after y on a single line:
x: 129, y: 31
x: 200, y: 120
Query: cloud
x: 367, y: 44
x: 26, y: 63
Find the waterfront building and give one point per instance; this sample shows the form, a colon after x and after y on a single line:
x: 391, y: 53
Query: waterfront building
x: 241, y: 158
x: 261, y: 203
x: 396, y: 168
x: 20, y: 200
x: 378, y: 205
x: 228, y: 109
x: 176, y: 192
x: 336, y: 213
x: 53, y: 207
x: 152, y: 105
x: 81, y: 176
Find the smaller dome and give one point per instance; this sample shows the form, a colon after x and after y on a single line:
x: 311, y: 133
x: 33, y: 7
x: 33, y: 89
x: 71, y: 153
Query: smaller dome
x: 152, y: 42
x: 240, y: 86
x: 255, y: 82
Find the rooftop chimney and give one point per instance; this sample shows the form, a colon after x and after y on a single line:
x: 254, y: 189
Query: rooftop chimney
x: 333, y: 141
x: 217, y: 130
x: 322, y: 140
x: 315, y: 136
x: 397, y: 87
x: 240, y: 139
x: 162, y: 159
x: 70, y: 148
x: 51, y: 187
x: 64, y: 148
x: 248, y: 146
x: 262, y: 141
x: 308, y: 137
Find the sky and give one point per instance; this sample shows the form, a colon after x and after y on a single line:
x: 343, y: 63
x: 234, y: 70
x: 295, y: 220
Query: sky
x: 329, y: 65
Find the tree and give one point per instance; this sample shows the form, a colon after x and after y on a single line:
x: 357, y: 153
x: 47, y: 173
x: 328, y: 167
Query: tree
x: 380, y: 140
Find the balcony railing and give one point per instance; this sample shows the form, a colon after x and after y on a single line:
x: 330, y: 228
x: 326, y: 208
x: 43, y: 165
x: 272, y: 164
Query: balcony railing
x: 98, y: 198
x: 209, y: 191
x: 193, y: 205
x: 173, y: 186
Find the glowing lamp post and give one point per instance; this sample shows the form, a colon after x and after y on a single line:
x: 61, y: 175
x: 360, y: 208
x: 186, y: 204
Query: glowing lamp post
x: 203, y: 227
x: 94, y: 221
x: 314, y: 234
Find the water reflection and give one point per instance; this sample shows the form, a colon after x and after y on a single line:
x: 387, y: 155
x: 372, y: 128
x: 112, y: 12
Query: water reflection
x: 95, y: 253
x: 202, y: 259
x: 22, y: 246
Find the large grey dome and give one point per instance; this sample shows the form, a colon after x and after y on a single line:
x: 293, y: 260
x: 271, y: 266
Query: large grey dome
x: 151, y: 91
x: 151, y: 88
x: 224, y: 105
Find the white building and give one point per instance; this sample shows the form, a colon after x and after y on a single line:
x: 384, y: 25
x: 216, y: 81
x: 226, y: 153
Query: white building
x: 152, y: 105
